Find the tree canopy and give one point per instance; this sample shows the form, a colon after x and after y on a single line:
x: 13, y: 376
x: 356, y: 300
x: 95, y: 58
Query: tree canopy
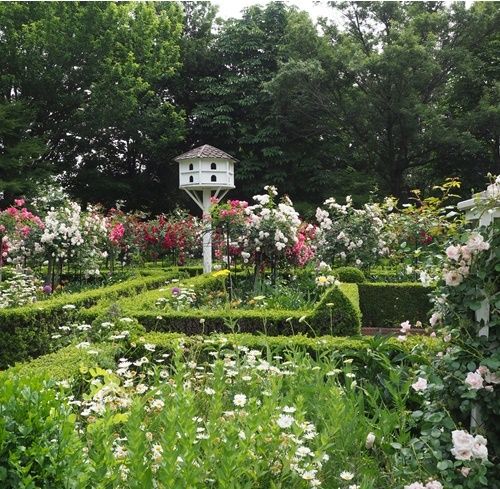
x: 103, y: 95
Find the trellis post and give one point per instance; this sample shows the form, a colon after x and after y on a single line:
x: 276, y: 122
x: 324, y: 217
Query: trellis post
x: 484, y: 218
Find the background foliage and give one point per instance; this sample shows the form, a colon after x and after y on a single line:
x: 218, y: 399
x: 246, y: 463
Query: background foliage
x: 401, y: 95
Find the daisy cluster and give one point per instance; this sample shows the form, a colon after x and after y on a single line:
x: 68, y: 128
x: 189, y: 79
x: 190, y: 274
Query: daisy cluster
x: 20, y: 289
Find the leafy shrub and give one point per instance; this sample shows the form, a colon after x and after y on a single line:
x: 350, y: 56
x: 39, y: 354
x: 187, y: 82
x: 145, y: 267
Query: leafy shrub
x: 40, y: 446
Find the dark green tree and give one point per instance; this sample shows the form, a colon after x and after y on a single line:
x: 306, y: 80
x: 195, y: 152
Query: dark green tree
x: 20, y: 165
x: 234, y: 111
x: 97, y: 77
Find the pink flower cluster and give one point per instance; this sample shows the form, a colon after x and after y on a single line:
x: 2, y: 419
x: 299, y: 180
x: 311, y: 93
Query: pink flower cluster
x: 432, y: 484
x: 303, y: 250
x: 476, y: 380
x: 468, y: 447
x: 462, y: 256
x: 117, y: 232
x: 405, y: 329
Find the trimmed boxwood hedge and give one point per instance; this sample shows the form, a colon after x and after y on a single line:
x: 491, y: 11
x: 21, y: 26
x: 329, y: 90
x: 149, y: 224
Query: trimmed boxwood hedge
x: 391, y: 304
x: 25, y: 332
x: 338, y: 311
x: 350, y: 275
x: 70, y: 362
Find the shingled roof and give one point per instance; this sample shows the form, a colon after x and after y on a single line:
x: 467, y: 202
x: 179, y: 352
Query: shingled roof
x: 205, y: 151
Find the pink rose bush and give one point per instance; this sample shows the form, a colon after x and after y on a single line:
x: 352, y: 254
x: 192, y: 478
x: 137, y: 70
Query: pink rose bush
x: 176, y: 235
x: 465, y: 376
x: 17, y: 227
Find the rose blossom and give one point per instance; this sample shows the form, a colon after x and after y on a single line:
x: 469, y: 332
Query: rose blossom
x: 434, y: 485
x: 420, y: 384
x: 477, y: 243
x: 452, y: 278
x: 415, y: 485
x: 434, y: 318
x: 462, y: 445
x: 479, y: 449
x: 474, y: 381
x: 491, y: 378
x: 405, y: 327
x: 453, y: 252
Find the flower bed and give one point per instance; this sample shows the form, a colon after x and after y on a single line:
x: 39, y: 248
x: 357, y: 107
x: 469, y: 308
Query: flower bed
x: 336, y: 311
x: 177, y: 411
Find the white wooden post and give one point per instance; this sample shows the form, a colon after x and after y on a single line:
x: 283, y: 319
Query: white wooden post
x: 482, y: 315
x: 203, y: 199
x: 207, y: 233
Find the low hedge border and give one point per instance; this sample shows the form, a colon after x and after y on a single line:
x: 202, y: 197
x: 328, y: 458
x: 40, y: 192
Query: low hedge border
x: 71, y: 362
x: 25, y: 332
x: 146, y: 300
x: 388, y: 305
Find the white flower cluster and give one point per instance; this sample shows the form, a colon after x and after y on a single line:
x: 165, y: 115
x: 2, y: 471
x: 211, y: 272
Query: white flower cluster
x: 181, y: 298
x: 349, y: 235
x: 62, y: 231
x: 70, y: 232
x: 326, y: 281
x: 271, y: 229
x: 468, y: 447
x: 20, y: 289
x: 304, y: 461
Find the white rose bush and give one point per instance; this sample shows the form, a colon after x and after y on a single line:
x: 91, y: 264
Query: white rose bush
x: 350, y: 236
x: 272, y: 232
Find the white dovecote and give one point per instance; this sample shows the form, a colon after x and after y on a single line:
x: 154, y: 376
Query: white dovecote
x: 206, y: 167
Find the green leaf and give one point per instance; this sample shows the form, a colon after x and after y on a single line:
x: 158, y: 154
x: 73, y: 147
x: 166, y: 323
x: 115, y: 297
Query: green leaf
x: 434, y: 417
x: 444, y: 464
